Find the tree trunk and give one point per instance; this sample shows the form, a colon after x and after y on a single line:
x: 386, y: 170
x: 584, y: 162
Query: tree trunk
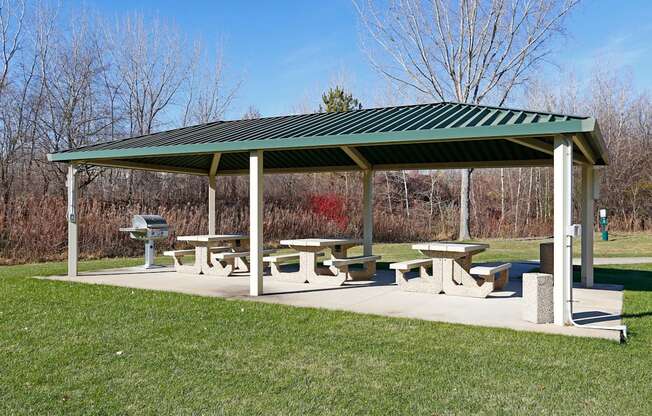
x: 389, y: 193
x: 464, y: 205
x: 407, y: 201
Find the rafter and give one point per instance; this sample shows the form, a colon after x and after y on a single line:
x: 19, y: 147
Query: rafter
x: 357, y: 157
x: 214, y: 164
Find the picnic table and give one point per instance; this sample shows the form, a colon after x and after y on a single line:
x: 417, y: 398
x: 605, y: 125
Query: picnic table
x: 209, y: 255
x: 335, y: 270
x: 452, y: 267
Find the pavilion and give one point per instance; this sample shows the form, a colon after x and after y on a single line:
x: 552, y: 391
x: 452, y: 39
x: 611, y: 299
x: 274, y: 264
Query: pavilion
x: 428, y: 136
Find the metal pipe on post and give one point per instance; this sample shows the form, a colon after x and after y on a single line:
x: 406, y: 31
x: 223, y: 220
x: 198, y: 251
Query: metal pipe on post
x: 368, y: 211
x: 73, y: 232
x: 256, y: 222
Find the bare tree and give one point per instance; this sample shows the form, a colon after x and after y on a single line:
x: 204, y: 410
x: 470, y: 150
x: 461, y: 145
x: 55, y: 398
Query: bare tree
x: 469, y: 51
x: 208, y: 95
x: 151, y: 66
x: 252, y: 113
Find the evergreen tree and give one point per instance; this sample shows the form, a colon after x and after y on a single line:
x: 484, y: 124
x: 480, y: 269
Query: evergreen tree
x: 337, y: 99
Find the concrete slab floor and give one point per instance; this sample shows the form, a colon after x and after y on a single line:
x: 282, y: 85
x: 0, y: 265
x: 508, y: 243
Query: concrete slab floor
x: 601, y: 305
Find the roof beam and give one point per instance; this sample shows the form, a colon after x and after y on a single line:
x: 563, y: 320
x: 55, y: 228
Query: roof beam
x: 145, y: 166
x: 410, y: 166
x: 544, y: 147
x: 214, y: 164
x: 357, y: 157
x: 583, y: 146
x: 489, y: 164
x: 535, y: 144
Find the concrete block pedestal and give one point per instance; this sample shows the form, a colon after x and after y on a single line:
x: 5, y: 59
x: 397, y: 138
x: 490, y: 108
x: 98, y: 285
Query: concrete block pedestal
x: 538, y: 298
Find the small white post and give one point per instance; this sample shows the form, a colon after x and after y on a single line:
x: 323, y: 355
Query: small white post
x: 256, y: 222
x: 588, y: 179
x: 211, y: 205
x: 563, y: 268
x: 73, y: 245
x: 368, y: 211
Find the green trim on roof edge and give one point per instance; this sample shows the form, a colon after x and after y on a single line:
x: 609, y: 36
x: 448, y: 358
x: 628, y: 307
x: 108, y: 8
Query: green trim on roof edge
x: 587, y: 125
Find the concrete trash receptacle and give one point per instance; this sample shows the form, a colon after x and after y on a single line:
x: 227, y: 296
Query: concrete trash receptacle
x: 538, y: 298
x: 546, y: 257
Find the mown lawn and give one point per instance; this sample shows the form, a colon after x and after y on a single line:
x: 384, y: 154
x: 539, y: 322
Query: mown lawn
x: 83, y: 349
x: 619, y: 245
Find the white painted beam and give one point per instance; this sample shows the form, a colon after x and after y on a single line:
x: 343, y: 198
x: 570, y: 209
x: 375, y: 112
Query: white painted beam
x: 214, y: 164
x: 124, y: 164
x: 535, y: 144
x: 367, y: 211
x: 73, y: 232
x: 588, y: 198
x: 357, y: 157
x: 544, y: 147
x: 581, y: 144
x: 563, y: 188
x: 256, y: 222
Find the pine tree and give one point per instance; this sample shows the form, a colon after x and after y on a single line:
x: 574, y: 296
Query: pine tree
x: 337, y: 99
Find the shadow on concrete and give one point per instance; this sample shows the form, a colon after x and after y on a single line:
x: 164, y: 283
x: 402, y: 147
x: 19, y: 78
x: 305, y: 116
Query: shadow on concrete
x: 592, y: 317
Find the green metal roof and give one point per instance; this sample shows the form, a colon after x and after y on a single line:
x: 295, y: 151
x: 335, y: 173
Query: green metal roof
x: 414, y: 136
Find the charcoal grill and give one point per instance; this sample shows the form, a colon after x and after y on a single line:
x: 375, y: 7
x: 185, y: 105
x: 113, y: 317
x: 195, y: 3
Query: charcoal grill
x: 148, y: 228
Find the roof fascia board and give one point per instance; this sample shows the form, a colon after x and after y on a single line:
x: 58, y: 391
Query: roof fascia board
x: 460, y: 133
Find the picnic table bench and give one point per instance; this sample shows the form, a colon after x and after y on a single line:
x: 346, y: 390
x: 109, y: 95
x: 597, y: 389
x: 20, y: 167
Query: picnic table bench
x: 206, y: 248
x: 335, y: 270
x: 452, y: 271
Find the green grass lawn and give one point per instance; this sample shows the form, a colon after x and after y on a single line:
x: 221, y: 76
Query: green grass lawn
x: 70, y: 348
x: 619, y: 245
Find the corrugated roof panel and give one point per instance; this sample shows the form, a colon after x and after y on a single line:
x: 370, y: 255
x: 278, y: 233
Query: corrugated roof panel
x: 415, y: 117
x: 422, y: 123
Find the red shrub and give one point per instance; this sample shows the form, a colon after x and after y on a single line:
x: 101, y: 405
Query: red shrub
x: 330, y: 206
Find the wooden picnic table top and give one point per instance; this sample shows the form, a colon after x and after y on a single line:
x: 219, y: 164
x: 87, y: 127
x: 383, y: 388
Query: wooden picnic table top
x: 321, y: 242
x: 450, y: 247
x: 209, y: 238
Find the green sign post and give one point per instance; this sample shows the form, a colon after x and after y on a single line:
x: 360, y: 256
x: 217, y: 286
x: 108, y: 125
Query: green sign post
x: 603, y: 225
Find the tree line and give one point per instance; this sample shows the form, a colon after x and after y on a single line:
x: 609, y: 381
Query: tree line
x: 73, y: 79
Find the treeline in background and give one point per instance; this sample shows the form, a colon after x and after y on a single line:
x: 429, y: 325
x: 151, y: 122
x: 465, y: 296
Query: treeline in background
x: 73, y: 80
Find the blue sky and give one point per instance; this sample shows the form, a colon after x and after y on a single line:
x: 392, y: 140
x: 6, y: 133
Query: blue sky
x: 287, y: 52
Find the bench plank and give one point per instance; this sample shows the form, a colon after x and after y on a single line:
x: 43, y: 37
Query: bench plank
x: 488, y: 274
x: 351, y: 260
x: 410, y: 264
x: 489, y: 270
x: 239, y: 254
x: 280, y: 258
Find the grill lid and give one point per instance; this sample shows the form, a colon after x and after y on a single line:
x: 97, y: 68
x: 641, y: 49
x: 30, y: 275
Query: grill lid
x: 148, y: 221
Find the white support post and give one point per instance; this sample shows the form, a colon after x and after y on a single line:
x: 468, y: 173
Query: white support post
x: 588, y: 179
x: 563, y: 268
x: 256, y: 222
x: 368, y: 211
x: 211, y: 205
x: 211, y: 193
x: 73, y: 245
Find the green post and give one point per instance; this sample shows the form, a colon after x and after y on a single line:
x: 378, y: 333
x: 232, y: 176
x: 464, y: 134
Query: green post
x: 603, y: 225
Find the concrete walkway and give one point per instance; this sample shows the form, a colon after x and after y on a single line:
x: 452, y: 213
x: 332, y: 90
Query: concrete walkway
x: 601, y: 304
x: 604, y: 261
x: 601, y: 261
